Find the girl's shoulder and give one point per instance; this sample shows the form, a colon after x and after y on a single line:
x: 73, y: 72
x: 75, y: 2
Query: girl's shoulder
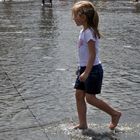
x: 89, y: 31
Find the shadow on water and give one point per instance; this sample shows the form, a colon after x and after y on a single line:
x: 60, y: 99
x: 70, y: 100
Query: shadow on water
x: 95, y: 132
x: 106, y: 135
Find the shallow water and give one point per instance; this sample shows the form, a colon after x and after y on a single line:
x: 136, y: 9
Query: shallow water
x: 38, y: 60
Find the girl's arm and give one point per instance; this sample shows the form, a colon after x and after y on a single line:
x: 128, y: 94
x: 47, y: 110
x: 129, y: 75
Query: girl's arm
x: 91, y: 59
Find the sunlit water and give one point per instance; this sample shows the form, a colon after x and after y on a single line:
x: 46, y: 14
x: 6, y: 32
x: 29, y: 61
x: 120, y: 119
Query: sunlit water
x: 38, y: 60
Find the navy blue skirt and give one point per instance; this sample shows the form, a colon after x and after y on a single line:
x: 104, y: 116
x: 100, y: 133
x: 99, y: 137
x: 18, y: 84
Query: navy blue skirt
x: 93, y: 84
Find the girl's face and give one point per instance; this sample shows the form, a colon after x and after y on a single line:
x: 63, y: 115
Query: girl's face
x: 79, y: 19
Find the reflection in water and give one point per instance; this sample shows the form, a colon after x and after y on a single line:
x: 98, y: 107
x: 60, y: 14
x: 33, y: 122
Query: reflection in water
x: 137, y: 6
x: 46, y: 22
x: 48, y: 32
x: 63, y: 2
x: 6, y: 25
x: 8, y: 8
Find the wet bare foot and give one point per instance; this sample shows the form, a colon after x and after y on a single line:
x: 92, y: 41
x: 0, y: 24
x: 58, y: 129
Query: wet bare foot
x: 80, y: 127
x: 115, y: 120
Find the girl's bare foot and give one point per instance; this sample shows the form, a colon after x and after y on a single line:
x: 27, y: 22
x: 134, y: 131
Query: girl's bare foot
x: 115, y: 120
x: 80, y: 127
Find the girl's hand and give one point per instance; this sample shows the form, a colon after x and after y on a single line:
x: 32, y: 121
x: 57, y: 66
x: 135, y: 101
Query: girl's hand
x: 83, y: 77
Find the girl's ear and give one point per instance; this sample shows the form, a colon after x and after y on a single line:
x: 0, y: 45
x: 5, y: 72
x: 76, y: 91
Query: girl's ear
x: 84, y: 16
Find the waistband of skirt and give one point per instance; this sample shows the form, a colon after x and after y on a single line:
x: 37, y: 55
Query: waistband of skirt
x: 94, y: 66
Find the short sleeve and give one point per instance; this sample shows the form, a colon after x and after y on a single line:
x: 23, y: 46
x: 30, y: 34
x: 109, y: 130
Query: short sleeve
x: 89, y: 35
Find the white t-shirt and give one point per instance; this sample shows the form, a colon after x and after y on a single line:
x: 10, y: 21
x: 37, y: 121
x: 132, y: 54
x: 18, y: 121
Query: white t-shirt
x: 84, y: 37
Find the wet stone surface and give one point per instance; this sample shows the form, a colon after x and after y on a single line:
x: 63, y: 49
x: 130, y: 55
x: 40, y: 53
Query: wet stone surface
x: 38, y: 60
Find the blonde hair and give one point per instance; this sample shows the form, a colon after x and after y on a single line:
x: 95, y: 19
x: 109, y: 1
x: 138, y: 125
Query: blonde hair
x: 88, y: 9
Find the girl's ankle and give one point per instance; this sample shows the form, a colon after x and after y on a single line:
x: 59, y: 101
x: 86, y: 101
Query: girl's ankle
x: 81, y: 127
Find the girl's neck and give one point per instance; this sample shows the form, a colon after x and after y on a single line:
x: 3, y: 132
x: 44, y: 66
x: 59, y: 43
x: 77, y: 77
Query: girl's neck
x: 85, y: 26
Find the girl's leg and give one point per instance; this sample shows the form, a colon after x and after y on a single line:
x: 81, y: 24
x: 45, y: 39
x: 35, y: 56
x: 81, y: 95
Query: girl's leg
x: 115, y: 115
x: 51, y: 2
x: 81, y: 109
x: 43, y: 2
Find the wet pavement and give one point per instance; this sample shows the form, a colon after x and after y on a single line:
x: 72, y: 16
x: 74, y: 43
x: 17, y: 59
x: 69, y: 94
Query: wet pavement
x: 38, y: 60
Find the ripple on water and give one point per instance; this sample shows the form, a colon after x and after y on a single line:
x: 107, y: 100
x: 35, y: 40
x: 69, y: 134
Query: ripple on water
x: 127, y: 46
x: 95, y: 131
x: 60, y: 69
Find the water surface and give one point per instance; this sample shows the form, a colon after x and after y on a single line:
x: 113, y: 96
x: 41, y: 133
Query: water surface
x: 38, y: 60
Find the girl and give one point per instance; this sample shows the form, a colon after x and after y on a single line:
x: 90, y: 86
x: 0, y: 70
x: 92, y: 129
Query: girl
x: 43, y: 2
x: 90, y: 74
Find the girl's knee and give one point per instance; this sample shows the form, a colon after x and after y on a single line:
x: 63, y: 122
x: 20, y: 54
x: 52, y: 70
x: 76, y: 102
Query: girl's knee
x: 79, y: 95
x: 90, y: 98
